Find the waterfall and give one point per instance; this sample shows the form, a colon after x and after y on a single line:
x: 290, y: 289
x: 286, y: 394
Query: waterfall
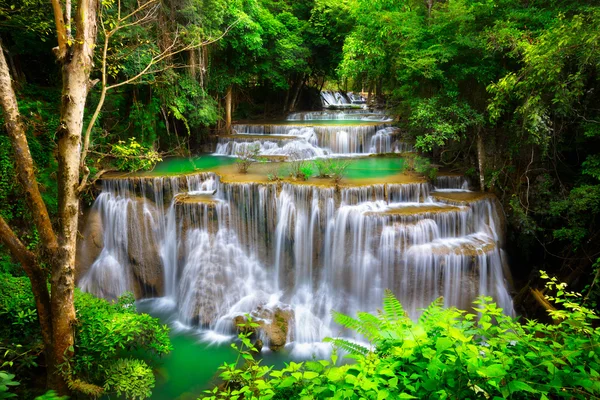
x: 216, y: 250
x: 313, y: 141
x: 339, y: 115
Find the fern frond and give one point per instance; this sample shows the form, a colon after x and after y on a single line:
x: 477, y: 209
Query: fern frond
x: 371, y: 326
x: 392, y: 309
x: 432, y: 312
x: 350, y: 347
x: 346, y: 321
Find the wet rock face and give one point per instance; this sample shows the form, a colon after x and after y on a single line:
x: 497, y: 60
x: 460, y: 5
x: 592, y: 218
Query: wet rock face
x: 91, y: 243
x: 275, y: 326
x: 137, y: 257
x: 203, y: 308
x: 143, y: 250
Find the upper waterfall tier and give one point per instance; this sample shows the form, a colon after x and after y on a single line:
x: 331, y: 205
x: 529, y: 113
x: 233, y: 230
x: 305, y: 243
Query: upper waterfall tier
x: 309, y: 141
x: 339, y: 115
x: 220, y: 249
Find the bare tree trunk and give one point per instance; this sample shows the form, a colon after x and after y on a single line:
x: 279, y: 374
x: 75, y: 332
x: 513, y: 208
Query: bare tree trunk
x: 192, y: 62
x: 481, y: 159
x: 228, y: 97
x: 296, y: 94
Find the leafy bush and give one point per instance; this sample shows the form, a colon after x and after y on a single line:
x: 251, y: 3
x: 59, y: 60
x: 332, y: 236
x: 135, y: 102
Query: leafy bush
x: 17, y: 310
x: 106, y: 332
x: 447, y: 353
x: 130, y: 377
x: 422, y: 165
x: 106, y: 329
x: 6, y: 381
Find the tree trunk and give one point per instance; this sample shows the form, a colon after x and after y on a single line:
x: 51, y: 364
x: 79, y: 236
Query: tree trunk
x: 228, y: 97
x: 481, y: 160
x: 296, y: 95
x: 76, y: 73
x: 192, y: 62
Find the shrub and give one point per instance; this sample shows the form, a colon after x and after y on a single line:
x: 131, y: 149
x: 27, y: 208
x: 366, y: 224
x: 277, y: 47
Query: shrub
x: 246, y: 157
x: 299, y: 167
x: 331, y: 168
x: 130, y: 377
x: 422, y: 166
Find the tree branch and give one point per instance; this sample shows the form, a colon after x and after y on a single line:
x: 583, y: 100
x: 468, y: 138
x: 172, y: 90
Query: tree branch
x: 61, y: 31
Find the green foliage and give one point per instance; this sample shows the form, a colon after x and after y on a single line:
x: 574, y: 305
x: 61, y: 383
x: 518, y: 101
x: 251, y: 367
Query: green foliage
x: 17, y: 310
x: 105, y: 330
x: 331, y: 168
x: 575, y: 211
x: 300, y: 168
x: 132, y: 156
x: 106, y: 333
x: 441, y: 120
x: 422, y: 165
x: 6, y: 381
x: 131, y: 378
x: 446, y: 354
x: 51, y: 395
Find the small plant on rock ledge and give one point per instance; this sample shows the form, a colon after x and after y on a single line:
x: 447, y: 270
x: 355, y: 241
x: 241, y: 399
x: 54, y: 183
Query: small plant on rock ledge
x: 246, y: 157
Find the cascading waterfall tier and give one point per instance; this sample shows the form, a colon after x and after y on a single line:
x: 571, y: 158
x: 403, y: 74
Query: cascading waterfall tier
x: 217, y: 250
x: 313, y: 141
x: 341, y: 115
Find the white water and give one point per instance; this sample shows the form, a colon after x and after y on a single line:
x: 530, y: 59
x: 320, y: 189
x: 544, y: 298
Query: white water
x: 339, y: 115
x: 228, y: 249
x: 341, y: 99
x: 314, y: 141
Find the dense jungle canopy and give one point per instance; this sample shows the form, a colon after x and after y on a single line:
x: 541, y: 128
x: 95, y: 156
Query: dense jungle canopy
x: 504, y: 92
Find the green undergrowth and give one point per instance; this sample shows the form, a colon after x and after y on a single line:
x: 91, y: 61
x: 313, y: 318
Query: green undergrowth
x: 445, y: 354
x: 106, y: 336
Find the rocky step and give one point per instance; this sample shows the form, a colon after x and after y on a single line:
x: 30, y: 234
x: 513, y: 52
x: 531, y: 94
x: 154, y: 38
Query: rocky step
x: 423, y: 209
x: 253, y: 137
x: 472, y: 245
x: 461, y: 197
x: 197, y: 198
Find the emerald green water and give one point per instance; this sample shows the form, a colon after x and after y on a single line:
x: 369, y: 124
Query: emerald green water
x: 375, y: 167
x: 187, y: 165
x: 359, y: 168
x: 192, y: 366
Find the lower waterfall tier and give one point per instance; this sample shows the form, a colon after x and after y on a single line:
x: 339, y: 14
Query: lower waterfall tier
x: 290, y: 253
